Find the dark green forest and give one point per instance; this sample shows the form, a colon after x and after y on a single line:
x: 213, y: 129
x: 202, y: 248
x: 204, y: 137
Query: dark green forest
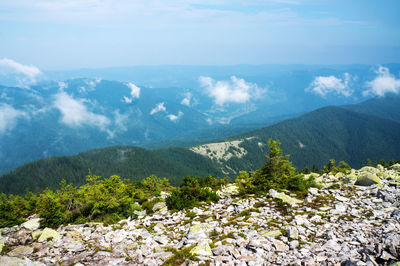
x: 132, y: 163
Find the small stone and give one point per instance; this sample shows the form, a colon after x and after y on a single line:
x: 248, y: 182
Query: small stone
x: 161, y: 240
x: 396, y: 167
x: 198, y: 232
x: 313, y: 191
x: 221, y: 250
x: 75, y: 246
x: 348, y: 263
x: 228, y: 190
x: 386, y: 256
x: 272, y: 233
x: 140, y: 214
x: 340, y: 208
x: 202, y: 249
x: 280, y: 246
x: 332, y: 244
x: 287, y: 199
x: 6, y: 260
x: 293, y: 233
x: 36, y: 234
x: 160, y: 207
x: 293, y: 244
x: 340, y: 198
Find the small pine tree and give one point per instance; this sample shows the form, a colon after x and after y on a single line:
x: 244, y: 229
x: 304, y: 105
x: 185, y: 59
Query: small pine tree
x: 343, y: 167
x: 383, y: 163
x: 306, y: 170
x: 279, y: 173
x: 330, y: 167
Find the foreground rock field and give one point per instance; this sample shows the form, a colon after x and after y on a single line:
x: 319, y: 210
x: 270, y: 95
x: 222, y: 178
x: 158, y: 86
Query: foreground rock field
x: 352, y: 219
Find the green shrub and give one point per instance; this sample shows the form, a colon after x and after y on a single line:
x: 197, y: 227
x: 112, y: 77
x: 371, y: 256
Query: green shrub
x: 12, y: 210
x: 155, y: 185
x: 191, y: 191
x: 331, y: 167
x: 277, y: 173
x: 148, y: 205
x: 50, y: 209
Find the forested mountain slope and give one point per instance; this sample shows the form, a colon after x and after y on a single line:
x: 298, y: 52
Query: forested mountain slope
x: 129, y: 162
x: 311, y: 139
x: 314, y: 138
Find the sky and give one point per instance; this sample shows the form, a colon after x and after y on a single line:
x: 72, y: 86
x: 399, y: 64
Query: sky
x: 67, y: 34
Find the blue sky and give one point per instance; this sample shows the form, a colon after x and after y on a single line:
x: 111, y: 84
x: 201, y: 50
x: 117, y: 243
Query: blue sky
x: 61, y: 34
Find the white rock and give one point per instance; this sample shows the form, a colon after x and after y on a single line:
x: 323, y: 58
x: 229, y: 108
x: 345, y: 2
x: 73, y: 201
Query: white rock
x: 332, y: 244
x: 32, y: 224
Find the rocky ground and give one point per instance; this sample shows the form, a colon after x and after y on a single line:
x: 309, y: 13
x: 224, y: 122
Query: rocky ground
x: 352, y: 219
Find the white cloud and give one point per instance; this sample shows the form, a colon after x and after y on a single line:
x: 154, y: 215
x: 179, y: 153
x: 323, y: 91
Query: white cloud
x: 9, y: 116
x: 62, y: 85
x: 135, y: 92
x: 120, y: 120
x: 29, y: 71
x: 236, y: 90
x: 383, y: 83
x: 188, y: 97
x: 74, y: 112
x: 331, y: 84
x: 91, y: 85
x: 175, y: 118
x: 25, y: 74
x: 127, y: 99
x: 159, y: 108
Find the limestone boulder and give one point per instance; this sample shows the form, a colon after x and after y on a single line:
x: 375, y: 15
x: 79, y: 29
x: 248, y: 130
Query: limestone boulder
x: 202, y: 249
x: 160, y: 207
x: 32, y: 224
x: 21, y: 251
x: 48, y: 234
x: 367, y: 179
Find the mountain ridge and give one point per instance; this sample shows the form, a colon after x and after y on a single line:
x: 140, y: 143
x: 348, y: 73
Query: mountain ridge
x: 311, y: 139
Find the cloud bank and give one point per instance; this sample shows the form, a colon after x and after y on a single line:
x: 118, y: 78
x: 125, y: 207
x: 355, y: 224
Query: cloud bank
x: 236, y: 90
x: 9, y: 66
x: 331, y: 84
x: 135, y: 92
x: 74, y: 112
x: 8, y: 117
x: 383, y: 83
x: 159, y: 108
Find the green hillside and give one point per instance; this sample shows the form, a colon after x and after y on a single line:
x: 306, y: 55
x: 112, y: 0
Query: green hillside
x: 330, y: 132
x: 386, y: 107
x: 128, y: 162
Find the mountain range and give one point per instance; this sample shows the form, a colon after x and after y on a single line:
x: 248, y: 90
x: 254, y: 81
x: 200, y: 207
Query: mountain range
x: 68, y: 112
x: 353, y: 133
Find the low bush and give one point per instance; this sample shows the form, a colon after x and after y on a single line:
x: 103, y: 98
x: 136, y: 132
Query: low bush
x: 100, y: 200
x: 331, y: 167
x: 277, y: 173
x: 191, y: 191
